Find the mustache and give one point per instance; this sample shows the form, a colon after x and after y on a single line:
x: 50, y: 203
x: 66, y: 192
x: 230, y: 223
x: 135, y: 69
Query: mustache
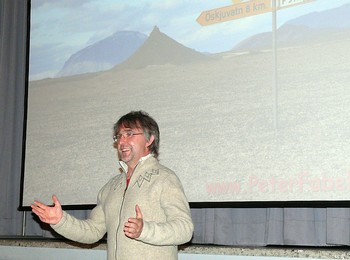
x: 124, y: 147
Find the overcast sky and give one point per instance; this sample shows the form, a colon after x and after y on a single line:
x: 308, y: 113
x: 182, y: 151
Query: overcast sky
x: 59, y: 28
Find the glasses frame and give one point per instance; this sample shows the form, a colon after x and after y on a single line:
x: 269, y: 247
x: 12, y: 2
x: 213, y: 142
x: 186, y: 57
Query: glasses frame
x: 127, y: 134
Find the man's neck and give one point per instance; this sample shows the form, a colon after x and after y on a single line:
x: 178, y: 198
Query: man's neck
x: 129, y: 172
x: 129, y: 169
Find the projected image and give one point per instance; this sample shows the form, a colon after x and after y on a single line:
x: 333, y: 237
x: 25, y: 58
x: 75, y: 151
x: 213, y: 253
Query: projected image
x: 252, y: 103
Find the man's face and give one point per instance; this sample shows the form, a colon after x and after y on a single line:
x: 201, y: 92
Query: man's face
x: 132, y: 145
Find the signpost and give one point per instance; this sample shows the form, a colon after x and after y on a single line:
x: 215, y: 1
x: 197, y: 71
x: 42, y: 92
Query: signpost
x: 235, y: 11
x: 287, y: 3
x: 244, y: 8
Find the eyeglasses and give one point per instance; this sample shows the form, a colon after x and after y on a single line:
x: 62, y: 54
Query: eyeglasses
x: 126, y: 135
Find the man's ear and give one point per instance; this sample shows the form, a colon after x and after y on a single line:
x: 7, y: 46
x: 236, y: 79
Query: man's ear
x: 151, y: 139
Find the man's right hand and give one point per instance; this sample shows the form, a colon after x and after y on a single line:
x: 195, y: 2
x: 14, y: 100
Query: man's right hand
x: 48, y: 214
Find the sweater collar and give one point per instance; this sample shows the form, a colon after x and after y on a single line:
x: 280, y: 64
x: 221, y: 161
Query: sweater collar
x: 125, y: 166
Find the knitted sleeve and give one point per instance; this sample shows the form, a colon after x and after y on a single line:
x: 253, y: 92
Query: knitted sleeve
x: 178, y: 227
x: 88, y: 231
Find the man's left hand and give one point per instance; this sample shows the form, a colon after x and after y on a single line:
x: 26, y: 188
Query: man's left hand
x: 134, y: 226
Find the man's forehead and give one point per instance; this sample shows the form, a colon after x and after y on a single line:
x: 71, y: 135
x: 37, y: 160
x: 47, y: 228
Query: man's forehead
x: 124, y: 127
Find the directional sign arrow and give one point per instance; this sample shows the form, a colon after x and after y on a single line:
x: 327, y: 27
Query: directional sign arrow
x: 235, y: 11
x: 243, y: 9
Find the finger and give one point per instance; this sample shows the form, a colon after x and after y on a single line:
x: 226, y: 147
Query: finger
x: 36, y: 209
x: 138, y: 212
x: 56, y: 201
x: 128, y: 234
x: 39, y: 204
x: 41, y: 215
x: 130, y: 223
x: 129, y: 231
x: 132, y: 227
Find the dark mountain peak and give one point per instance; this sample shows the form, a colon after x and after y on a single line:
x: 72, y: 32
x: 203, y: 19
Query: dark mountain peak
x: 160, y: 49
x: 155, y: 30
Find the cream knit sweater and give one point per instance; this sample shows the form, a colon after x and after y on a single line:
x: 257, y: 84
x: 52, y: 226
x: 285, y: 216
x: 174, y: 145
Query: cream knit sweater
x: 166, y: 215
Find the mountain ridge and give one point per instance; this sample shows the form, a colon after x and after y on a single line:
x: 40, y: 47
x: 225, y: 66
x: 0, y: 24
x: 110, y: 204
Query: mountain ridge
x: 104, y: 54
x: 160, y: 49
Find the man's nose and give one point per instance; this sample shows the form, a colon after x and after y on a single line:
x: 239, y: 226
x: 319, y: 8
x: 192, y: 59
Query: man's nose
x: 122, y: 139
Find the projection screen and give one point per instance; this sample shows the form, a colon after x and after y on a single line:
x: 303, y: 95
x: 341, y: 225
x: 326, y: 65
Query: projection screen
x: 252, y: 102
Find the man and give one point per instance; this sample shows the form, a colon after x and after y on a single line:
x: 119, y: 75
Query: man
x: 143, y: 210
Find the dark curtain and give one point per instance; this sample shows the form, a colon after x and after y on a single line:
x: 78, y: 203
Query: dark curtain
x: 221, y: 226
x: 13, y: 27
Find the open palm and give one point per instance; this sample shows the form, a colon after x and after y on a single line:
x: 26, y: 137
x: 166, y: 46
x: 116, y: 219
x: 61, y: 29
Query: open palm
x: 48, y: 214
